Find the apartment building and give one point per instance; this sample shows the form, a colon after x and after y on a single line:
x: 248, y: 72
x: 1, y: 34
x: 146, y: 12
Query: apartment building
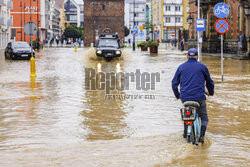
x: 135, y: 15
x: 6, y: 21
x: 172, y: 18
x: 72, y: 13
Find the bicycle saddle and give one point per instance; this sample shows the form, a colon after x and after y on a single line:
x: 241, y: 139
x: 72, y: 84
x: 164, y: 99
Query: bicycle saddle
x: 191, y: 104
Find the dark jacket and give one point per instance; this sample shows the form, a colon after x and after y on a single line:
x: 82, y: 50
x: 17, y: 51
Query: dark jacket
x: 191, y: 76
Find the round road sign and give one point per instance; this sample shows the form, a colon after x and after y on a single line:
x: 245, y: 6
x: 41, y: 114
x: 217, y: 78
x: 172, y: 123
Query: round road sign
x: 221, y: 26
x: 76, y: 44
x: 172, y: 34
x: 30, y: 28
x: 221, y: 10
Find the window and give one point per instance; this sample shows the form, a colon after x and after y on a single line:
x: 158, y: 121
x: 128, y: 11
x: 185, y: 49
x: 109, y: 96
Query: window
x: 177, y: 8
x: 72, y: 18
x: 168, y: 8
x: 178, y: 19
x: 167, y: 19
x: 136, y: 14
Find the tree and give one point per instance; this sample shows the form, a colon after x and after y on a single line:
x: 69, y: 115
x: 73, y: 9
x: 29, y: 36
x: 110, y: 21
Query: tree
x: 126, y: 31
x: 73, y: 31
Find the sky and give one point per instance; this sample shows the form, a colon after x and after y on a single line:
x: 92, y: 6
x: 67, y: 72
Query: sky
x: 79, y: 1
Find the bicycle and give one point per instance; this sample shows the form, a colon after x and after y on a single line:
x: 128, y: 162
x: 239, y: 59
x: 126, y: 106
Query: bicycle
x: 191, y: 120
x: 222, y: 9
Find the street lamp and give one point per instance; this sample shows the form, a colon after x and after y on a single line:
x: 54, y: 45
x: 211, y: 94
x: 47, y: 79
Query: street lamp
x: 175, y: 40
x: 134, y: 26
x: 190, y: 19
x: 246, y: 9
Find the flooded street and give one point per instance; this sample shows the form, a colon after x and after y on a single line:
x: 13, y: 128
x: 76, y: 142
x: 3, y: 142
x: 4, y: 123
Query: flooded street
x: 54, y: 120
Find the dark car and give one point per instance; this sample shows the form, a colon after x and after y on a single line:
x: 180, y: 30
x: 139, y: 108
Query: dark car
x: 108, y: 46
x: 18, y: 50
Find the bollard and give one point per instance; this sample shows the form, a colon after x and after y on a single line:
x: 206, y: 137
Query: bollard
x: 32, y: 67
x: 75, y: 49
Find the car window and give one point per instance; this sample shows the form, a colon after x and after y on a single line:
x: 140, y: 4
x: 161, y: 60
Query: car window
x: 21, y: 45
x: 108, y: 43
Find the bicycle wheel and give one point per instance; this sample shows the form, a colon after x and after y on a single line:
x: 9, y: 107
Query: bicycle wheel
x: 191, y: 135
x: 194, y: 137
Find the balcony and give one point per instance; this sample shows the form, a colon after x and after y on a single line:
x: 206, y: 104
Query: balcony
x: 2, y: 3
x: 10, y: 5
x: 208, y: 2
x: 137, y: 10
x: 10, y: 23
x: 2, y: 21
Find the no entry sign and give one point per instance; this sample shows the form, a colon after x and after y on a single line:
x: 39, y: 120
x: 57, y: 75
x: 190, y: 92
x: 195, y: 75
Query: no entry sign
x: 172, y: 34
x: 221, y: 26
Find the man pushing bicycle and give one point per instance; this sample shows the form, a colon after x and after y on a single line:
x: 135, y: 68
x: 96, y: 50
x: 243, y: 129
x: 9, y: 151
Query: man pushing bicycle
x: 191, y: 76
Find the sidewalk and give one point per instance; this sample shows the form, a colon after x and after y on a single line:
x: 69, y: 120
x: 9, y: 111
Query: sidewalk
x: 166, y: 48
x: 229, y: 56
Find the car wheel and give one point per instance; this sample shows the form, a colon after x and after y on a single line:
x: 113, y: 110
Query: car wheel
x: 12, y: 56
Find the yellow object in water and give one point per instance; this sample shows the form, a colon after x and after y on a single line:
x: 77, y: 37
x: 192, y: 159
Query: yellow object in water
x: 75, y: 49
x: 32, y: 67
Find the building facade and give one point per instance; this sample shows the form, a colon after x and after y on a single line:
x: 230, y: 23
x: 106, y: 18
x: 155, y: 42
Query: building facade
x: 172, y: 18
x: 211, y: 39
x: 81, y: 15
x: 46, y: 14
x: 156, y: 18
x: 24, y: 11
x: 6, y: 21
x: 140, y: 13
x: 103, y: 16
x: 72, y: 13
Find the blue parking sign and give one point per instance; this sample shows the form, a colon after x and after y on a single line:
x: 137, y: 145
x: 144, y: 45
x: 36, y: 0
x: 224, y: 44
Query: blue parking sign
x: 221, y: 10
x: 200, y: 25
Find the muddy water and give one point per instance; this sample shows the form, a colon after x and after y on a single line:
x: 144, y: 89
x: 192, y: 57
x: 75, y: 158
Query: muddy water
x: 54, y: 121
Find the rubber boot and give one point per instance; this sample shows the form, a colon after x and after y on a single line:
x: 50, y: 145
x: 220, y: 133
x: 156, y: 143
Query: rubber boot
x: 203, y: 131
x: 185, y: 131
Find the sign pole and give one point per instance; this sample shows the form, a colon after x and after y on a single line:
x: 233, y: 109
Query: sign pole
x: 198, y: 35
x: 31, y: 43
x: 222, y: 57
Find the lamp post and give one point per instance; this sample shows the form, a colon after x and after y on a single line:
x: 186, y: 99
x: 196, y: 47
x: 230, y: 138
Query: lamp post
x: 246, y: 7
x: 38, y: 40
x: 134, y: 25
x: 198, y: 34
x: 190, y: 21
x: 175, y: 41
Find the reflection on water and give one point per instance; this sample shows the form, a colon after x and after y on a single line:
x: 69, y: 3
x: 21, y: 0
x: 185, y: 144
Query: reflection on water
x: 104, y: 119
x: 54, y: 121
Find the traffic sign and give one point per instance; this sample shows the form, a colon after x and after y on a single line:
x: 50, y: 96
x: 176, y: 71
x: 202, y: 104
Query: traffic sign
x: 221, y: 26
x: 200, y: 25
x: 135, y: 33
x: 30, y: 28
x: 172, y: 34
x: 141, y: 27
x: 221, y: 10
x: 141, y: 33
x: 76, y: 45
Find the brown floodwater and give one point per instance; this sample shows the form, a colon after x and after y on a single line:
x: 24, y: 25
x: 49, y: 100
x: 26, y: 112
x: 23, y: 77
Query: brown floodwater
x: 54, y: 120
